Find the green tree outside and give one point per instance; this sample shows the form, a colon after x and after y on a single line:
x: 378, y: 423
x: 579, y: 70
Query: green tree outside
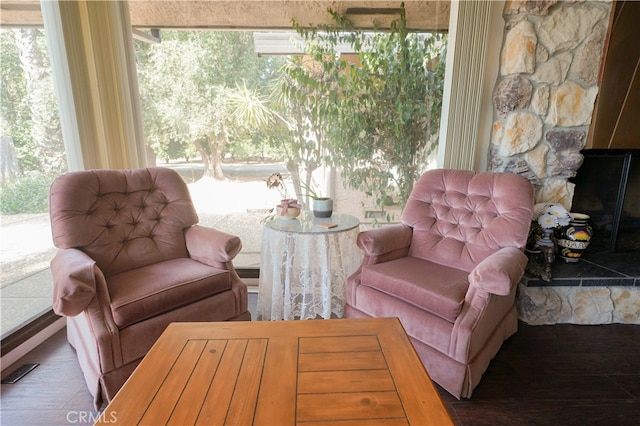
x: 376, y: 116
x: 32, y: 147
x: 204, y: 90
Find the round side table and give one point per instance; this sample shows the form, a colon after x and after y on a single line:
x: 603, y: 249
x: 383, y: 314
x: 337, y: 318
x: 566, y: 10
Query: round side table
x: 305, y: 265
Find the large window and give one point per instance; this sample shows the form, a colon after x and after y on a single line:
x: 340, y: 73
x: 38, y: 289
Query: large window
x: 350, y: 115
x: 32, y: 155
x: 353, y: 116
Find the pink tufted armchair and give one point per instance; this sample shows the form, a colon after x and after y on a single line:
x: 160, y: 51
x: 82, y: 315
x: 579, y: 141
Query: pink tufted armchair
x: 131, y: 260
x: 449, y: 270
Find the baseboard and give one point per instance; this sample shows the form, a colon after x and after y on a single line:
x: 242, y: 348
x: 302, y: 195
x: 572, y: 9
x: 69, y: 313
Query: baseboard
x: 28, y: 345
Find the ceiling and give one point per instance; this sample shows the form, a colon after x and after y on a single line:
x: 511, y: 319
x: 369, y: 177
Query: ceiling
x: 252, y: 14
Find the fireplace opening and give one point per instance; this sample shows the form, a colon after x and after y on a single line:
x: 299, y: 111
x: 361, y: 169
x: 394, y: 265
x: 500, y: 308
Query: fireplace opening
x: 607, y: 188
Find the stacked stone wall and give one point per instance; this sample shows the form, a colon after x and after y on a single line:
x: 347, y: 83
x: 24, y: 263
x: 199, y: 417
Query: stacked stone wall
x: 578, y: 305
x: 545, y: 94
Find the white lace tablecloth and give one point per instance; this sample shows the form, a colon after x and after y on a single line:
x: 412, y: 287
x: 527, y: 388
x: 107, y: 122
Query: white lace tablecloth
x: 304, y: 269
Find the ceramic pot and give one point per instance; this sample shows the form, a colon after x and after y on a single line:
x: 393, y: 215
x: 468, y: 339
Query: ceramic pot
x: 322, y: 207
x: 291, y: 213
x: 572, y: 240
x: 288, y: 209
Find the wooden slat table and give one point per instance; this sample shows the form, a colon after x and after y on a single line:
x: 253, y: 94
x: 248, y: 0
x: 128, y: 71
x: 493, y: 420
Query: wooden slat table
x: 352, y: 371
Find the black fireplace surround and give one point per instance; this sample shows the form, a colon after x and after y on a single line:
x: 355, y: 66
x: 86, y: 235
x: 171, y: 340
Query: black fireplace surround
x: 607, y: 188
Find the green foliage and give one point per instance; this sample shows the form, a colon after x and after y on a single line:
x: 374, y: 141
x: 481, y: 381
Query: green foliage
x: 378, y: 114
x: 28, y: 106
x: 206, y: 91
x: 13, y: 109
x: 308, y: 105
x: 28, y: 194
x: 311, y: 191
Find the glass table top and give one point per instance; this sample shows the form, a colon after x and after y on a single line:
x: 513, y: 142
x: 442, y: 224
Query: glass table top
x: 307, y: 223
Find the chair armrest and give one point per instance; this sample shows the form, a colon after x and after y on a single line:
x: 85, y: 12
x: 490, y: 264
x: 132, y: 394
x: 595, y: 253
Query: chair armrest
x: 489, y: 297
x: 500, y: 272
x: 74, y: 281
x: 385, y: 243
x: 212, y: 247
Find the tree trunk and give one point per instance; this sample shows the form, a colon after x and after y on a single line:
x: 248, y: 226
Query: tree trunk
x: 217, y: 144
x: 8, y: 161
x: 205, y: 159
x: 294, y: 170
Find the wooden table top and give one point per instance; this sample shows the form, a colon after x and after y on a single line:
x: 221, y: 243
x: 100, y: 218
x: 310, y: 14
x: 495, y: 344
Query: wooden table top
x: 352, y: 371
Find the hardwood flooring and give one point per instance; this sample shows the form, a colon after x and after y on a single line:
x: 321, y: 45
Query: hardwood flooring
x: 559, y: 375
x: 544, y: 375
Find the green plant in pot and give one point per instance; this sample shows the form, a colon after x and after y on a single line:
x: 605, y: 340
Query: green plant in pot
x: 321, y: 206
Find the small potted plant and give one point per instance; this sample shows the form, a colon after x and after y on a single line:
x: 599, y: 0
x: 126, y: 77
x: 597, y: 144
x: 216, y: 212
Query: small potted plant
x: 321, y: 206
x: 288, y: 208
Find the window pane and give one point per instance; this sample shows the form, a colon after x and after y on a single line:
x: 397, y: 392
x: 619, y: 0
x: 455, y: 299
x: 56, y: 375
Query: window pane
x: 32, y: 155
x: 227, y: 118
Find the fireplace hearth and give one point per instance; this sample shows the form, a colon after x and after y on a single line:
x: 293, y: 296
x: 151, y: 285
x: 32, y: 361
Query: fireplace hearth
x: 593, y: 270
x: 604, y: 287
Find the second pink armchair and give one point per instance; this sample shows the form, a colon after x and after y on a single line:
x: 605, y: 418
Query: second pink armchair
x: 449, y: 270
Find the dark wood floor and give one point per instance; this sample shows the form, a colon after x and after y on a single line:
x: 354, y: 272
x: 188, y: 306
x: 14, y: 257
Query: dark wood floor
x: 544, y: 375
x: 559, y: 375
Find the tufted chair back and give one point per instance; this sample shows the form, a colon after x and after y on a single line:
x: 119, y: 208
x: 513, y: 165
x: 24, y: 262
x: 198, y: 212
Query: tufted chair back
x: 461, y: 217
x: 123, y: 219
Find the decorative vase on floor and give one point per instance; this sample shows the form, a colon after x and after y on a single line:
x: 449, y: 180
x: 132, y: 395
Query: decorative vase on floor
x: 573, y: 239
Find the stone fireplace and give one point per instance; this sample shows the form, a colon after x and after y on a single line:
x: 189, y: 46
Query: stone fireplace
x: 544, y: 99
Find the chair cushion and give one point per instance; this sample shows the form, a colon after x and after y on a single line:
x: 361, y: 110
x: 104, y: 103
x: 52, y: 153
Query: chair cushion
x: 435, y: 288
x: 154, y: 289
